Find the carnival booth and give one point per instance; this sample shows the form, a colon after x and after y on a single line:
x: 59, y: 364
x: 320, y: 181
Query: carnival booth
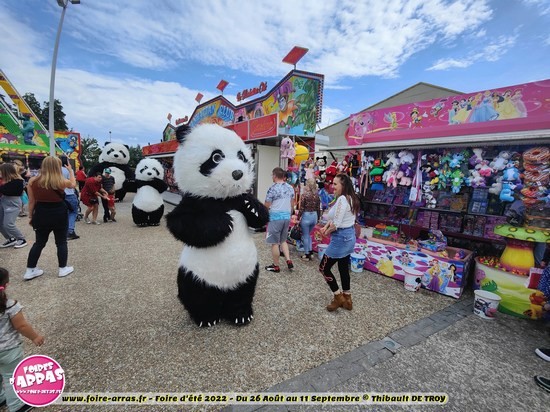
x: 279, y: 123
x: 22, y: 135
x: 438, y: 179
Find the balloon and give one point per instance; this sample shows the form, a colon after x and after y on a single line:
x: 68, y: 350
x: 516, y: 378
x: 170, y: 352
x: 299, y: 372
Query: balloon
x: 302, y: 153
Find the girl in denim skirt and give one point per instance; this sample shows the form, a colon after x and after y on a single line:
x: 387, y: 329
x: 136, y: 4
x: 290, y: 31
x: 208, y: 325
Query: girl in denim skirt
x: 341, y: 221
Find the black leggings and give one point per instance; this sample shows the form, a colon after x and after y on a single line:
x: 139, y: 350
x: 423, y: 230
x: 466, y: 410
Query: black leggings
x: 343, y: 267
x: 42, y: 235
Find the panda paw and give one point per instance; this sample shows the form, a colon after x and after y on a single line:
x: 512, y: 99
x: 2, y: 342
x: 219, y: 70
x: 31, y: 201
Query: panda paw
x: 243, y: 320
x: 207, y: 324
x: 154, y: 224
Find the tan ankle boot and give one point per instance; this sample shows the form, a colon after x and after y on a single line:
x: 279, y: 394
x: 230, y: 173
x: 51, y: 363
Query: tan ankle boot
x: 337, y: 302
x: 347, y: 301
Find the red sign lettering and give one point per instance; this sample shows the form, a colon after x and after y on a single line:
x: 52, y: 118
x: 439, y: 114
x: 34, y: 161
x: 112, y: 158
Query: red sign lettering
x: 246, y: 93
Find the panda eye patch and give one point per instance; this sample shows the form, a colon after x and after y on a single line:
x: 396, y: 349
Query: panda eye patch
x: 217, y: 156
x: 242, y: 157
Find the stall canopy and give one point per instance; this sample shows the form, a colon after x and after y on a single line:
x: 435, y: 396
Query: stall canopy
x: 510, y: 115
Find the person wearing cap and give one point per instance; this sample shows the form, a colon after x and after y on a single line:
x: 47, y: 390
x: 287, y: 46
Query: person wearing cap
x: 108, y: 184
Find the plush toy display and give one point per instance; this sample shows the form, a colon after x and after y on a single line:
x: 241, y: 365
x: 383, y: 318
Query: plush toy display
x: 218, y: 267
x: 148, y: 205
x: 116, y: 156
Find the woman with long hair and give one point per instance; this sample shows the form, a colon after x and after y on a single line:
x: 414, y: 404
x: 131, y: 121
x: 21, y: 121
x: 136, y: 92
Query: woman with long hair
x: 342, y: 241
x: 10, y: 206
x: 48, y: 212
x: 308, y: 213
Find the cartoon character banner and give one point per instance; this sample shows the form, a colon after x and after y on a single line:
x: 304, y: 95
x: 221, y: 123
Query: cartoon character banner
x: 297, y: 99
x: 524, y: 107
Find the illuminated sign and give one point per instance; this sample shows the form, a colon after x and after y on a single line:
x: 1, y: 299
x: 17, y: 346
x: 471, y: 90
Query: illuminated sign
x: 251, y: 92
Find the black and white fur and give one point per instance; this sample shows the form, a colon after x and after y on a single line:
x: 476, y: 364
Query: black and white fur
x: 218, y: 267
x: 148, y: 204
x: 116, y: 156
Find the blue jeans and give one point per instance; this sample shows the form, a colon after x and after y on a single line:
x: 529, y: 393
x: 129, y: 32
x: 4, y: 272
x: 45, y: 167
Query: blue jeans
x: 307, y: 223
x: 9, y: 359
x: 73, y: 201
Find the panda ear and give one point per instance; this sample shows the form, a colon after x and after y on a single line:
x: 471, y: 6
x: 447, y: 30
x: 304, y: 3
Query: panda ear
x: 182, y: 132
x: 106, y: 144
x: 127, y: 147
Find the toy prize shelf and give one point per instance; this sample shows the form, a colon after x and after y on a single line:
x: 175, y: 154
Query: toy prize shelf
x: 443, y: 269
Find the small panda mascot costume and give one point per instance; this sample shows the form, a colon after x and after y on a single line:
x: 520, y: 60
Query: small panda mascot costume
x: 218, y: 267
x: 148, y: 205
x: 116, y: 156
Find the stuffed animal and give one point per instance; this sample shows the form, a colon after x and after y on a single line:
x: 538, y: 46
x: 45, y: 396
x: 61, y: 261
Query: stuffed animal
x: 456, y: 160
x: 457, y: 179
x: 116, y: 156
x: 427, y: 195
x: 507, y: 192
x: 331, y: 172
x: 393, y: 160
x: 148, y: 205
x: 500, y: 162
x: 496, y: 187
x: 405, y: 174
x: 321, y: 163
x: 218, y: 267
x: 484, y: 169
x: 477, y: 157
x: 475, y: 179
x: 287, y: 148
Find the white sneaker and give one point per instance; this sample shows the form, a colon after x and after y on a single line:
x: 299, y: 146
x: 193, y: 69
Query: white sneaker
x: 32, y: 273
x: 88, y: 221
x: 20, y: 243
x: 67, y: 270
x: 95, y: 222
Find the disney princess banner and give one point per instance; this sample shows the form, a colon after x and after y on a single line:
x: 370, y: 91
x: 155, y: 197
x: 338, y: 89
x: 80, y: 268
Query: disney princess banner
x: 513, y: 108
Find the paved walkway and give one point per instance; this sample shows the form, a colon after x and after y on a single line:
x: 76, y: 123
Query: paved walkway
x: 115, y: 325
x: 481, y: 365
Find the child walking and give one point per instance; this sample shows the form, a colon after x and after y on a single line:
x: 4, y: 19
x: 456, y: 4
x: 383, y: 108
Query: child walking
x: 12, y: 325
x: 10, y: 206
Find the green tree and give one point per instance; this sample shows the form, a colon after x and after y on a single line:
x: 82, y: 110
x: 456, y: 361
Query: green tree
x: 35, y: 107
x: 90, y: 152
x: 59, y: 117
x: 135, y: 156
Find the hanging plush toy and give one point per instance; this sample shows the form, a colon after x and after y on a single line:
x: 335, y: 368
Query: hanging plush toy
x: 287, y: 148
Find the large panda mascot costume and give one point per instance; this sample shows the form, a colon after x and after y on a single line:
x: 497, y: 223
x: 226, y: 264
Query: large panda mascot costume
x: 218, y: 267
x: 116, y: 156
x: 148, y: 204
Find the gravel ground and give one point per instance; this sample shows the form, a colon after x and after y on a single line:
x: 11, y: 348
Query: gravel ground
x: 116, y: 325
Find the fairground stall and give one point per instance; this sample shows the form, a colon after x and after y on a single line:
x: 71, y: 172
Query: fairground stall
x: 438, y: 179
x: 22, y: 135
x: 287, y: 112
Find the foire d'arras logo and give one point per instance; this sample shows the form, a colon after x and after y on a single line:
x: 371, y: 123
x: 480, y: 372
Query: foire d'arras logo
x: 38, y: 380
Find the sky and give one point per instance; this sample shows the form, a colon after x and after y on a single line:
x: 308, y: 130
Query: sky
x: 123, y: 65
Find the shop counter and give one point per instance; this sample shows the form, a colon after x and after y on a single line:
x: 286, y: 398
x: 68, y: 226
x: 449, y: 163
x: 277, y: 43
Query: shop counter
x: 443, y: 272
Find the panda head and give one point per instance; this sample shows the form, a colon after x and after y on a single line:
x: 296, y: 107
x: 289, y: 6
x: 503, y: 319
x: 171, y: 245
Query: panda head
x: 212, y: 161
x: 149, y: 169
x: 115, y: 153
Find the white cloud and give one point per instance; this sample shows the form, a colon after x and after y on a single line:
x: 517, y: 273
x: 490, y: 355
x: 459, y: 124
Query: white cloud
x: 490, y: 53
x: 331, y: 115
x: 346, y: 39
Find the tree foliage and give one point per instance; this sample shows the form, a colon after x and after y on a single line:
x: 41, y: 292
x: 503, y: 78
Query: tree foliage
x: 135, y: 156
x: 59, y: 123
x: 43, y: 112
x: 90, y: 152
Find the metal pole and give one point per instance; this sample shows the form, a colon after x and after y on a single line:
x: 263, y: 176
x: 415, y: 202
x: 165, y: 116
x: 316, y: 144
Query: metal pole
x: 52, y: 84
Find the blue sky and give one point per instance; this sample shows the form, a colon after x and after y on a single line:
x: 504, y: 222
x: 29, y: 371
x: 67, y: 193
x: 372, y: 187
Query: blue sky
x: 123, y: 65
